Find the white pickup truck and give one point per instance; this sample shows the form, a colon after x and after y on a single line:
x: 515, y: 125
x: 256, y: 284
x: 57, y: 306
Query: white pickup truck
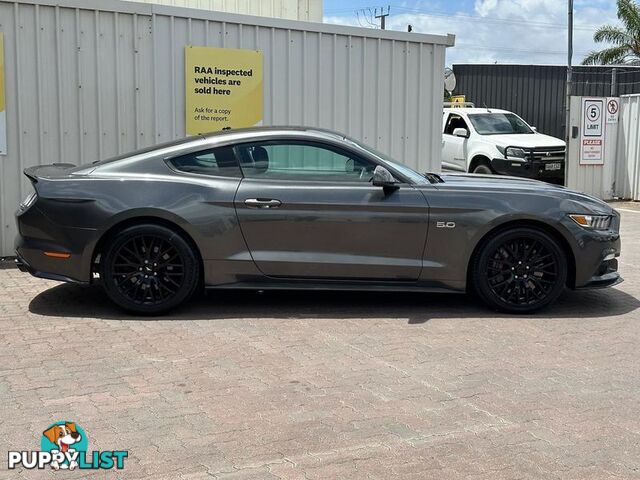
x: 488, y: 140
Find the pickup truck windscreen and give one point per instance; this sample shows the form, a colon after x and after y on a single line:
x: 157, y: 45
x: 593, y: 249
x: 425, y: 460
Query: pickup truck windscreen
x: 498, y: 124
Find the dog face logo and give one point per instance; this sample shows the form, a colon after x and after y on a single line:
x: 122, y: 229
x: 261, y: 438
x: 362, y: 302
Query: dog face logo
x: 63, y: 435
x: 66, y: 438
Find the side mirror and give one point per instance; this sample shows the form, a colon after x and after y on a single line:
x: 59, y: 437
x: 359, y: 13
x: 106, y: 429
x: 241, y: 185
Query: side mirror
x: 461, y: 132
x: 535, y: 129
x: 383, y: 178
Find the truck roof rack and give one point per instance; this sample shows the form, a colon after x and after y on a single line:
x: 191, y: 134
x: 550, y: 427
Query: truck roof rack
x: 458, y: 105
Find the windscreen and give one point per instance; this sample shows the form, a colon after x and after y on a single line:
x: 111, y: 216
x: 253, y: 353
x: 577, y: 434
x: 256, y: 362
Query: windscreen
x: 498, y: 124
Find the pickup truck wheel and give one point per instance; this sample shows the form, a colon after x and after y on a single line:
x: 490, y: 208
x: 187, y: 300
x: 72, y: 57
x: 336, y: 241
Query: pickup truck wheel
x: 483, y: 168
x: 520, y: 270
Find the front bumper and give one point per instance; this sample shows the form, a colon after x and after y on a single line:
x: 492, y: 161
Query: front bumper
x: 535, y: 169
x: 606, y: 276
x: 596, y: 255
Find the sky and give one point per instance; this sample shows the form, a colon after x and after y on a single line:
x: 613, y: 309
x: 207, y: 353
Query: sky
x: 490, y: 31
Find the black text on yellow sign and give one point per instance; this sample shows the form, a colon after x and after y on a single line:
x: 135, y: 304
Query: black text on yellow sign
x: 223, y: 89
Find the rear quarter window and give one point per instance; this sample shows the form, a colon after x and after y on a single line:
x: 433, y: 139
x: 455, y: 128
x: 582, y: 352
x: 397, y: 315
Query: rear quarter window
x: 219, y: 162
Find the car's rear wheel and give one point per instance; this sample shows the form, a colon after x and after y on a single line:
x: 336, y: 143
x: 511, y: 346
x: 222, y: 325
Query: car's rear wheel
x: 149, y: 269
x: 483, y: 168
x: 520, y: 270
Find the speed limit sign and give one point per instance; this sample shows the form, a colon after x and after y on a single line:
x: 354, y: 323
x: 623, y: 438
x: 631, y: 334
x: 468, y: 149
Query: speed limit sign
x: 593, y: 112
x: 592, y: 141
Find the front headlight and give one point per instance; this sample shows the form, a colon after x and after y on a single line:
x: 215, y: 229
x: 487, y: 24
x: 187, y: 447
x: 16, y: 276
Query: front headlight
x: 515, y: 152
x: 594, y: 222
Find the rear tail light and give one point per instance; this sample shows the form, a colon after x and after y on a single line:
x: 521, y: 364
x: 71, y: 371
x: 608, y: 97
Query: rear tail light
x: 28, y: 201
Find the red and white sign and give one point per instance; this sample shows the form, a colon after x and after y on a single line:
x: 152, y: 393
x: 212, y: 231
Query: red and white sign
x: 613, y: 109
x: 592, y: 138
x: 592, y: 149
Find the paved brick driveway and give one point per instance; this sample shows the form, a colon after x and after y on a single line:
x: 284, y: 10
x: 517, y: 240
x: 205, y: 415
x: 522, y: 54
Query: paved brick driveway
x: 321, y: 386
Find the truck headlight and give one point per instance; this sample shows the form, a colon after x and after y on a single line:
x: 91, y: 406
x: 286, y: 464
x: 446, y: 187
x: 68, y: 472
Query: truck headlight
x: 593, y: 222
x: 515, y: 152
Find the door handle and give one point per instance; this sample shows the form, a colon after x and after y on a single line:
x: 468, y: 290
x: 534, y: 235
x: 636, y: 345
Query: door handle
x: 262, y: 203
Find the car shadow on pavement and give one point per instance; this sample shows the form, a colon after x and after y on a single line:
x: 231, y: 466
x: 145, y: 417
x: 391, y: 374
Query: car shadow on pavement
x: 68, y: 300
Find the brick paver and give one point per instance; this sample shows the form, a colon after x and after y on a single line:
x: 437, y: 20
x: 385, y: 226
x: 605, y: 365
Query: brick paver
x: 320, y: 385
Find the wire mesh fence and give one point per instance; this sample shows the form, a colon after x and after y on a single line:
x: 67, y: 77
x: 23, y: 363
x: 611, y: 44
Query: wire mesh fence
x: 538, y: 92
x: 606, y: 81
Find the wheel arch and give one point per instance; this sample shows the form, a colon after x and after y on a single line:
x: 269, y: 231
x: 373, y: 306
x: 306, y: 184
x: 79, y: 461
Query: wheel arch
x: 477, y: 159
x: 147, y: 218
x: 529, y: 223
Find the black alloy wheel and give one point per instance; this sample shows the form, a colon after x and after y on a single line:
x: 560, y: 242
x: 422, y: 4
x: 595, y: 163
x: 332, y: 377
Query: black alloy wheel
x: 520, y: 270
x: 149, y: 269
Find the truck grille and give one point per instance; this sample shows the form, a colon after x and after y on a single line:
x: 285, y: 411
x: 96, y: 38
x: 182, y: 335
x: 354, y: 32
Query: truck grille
x: 547, y: 154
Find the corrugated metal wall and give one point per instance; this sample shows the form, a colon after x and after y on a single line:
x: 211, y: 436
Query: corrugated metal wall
x: 537, y: 92
x: 90, y: 79
x: 627, y: 183
x: 306, y: 10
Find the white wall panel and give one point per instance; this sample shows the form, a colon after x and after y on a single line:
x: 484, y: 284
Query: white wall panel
x: 627, y: 184
x: 90, y: 79
x: 307, y: 10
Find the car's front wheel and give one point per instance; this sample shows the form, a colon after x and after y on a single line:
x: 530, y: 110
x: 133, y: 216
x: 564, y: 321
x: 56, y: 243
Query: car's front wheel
x: 149, y: 269
x: 520, y: 270
x: 483, y: 169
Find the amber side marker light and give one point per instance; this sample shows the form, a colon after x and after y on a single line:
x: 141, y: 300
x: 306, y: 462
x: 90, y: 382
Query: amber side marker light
x: 57, y: 254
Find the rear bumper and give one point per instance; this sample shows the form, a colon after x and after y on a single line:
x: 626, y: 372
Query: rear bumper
x: 37, y: 235
x: 24, y: 266
x: 530, y: 169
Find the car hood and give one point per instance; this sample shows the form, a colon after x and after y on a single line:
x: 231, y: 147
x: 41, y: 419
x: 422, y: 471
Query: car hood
x: 573, y: 201
x: 525, y: 140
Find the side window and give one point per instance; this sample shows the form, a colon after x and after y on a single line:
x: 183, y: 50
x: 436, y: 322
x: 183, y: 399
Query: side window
x: 455, y: 121
x: 290, y: 160
x: 220, y: 162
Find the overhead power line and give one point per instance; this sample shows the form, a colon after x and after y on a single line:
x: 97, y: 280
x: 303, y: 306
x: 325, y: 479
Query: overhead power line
x: 488, y: 19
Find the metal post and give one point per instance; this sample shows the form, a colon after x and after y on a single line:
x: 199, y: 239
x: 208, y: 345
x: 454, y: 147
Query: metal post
x: 383, y: 17
x: 614, y: 82
x: 567, y: 128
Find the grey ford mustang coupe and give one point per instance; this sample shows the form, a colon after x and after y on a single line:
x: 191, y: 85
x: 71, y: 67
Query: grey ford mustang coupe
x: 296, y: 208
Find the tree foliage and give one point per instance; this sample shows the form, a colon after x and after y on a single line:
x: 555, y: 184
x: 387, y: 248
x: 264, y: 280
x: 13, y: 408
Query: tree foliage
x: 624, y: 41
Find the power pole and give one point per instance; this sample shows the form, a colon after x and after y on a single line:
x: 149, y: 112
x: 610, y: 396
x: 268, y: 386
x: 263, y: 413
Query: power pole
x: 567, y: 132
x: 383, y: 16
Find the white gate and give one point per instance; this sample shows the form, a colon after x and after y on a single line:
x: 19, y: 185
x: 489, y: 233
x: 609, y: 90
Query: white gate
x: 627, y: 174
x: 605, y: 162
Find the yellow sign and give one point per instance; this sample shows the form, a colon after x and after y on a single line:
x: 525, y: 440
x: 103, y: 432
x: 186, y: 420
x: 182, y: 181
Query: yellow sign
x: 3, y: 110
x: 457, y: 99
x: 223, y: 87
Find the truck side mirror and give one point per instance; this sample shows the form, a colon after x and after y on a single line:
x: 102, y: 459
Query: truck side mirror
x: 461, y: 132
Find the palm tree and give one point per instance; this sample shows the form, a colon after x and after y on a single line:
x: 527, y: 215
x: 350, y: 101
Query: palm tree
x: 625, y: 41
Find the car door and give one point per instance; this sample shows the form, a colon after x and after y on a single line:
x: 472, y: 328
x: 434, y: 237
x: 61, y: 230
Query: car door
x: 454, y: 149
x: 308, y: 210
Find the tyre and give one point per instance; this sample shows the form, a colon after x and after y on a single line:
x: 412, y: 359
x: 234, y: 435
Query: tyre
x: 483, y: 168
x: 149, y: 269
x: 519, y: 270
